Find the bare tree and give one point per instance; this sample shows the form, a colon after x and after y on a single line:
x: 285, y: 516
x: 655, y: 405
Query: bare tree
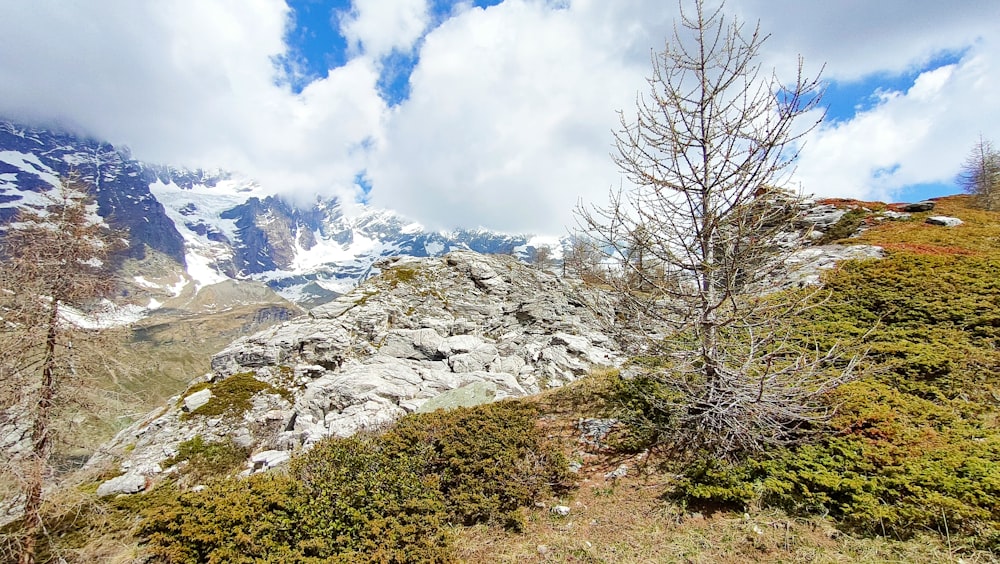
x: 55, y: 266
x: 704, y: 232
x: 980, y: 174
x: 542, y: 256
x: 583, y: 259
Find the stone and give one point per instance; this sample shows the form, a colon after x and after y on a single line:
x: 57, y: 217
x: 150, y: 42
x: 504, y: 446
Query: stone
x: 944, y: 221
x: 268, y: 459
x: 917, y: 207
x: 419, y: 344
x: 560, y: 510
x: 594, y: 431
x: 460, y: 344
x: 617, y: 473
x: 129, y: 483
x: 822, y: 217
x: 197, y: 399
x: 470, y: 395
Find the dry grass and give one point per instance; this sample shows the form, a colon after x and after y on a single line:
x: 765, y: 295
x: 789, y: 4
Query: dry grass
x: 978, y: 235
x: 627, y: 520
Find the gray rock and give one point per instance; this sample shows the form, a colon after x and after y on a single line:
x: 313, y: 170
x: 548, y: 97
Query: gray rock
x: 197, y: 399
x: 128, y: 483
x: 821, y: 217
x: 595, y: 431
x: 469, y: 395
x: 617, y: 473
x: 923, y: 206
x: 268, y: 459
x: 944, y: 221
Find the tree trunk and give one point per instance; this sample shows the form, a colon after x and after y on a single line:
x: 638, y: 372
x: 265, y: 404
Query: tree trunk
x: 40, y: 443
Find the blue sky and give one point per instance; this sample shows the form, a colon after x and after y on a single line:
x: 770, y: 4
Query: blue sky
x: 495, y: 114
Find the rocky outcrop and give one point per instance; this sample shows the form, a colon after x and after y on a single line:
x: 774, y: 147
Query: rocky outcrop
x: 442, y: 332
x: 428, y: 333
x: 917, y: 207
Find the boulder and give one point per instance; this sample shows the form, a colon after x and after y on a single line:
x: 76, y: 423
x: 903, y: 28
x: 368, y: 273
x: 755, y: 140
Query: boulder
x: 821, y: 217
x: 128, y: 483
x: 469, y: 395
x: 268, y: 459
x: 917, y: 207
x: 197, y: 399
x: 944, y: 221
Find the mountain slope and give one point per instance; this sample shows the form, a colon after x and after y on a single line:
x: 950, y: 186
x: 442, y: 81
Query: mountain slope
x: 217, y: 225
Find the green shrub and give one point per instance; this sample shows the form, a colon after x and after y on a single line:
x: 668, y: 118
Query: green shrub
x: 250, y: 520
x: 360, y: 498
x: 382, y: 498
x: 488, y: 460
x: 915, y: 444
x: 205, y: 460
x: 899, y: 464
x: 346, y: 501
x: 233, y: 395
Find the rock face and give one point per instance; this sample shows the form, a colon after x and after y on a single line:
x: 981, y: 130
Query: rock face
x: 457, y: 330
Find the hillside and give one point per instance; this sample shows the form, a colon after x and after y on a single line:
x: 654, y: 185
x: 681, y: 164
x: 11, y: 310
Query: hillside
x: 907, y: 472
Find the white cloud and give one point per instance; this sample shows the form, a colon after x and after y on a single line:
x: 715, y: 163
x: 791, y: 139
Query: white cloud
x: 510, y: 116
x: 511, y: 108
x: 189, y: 82
x: 377, y: 27
x: 919, y: 136
x: 856, y: 38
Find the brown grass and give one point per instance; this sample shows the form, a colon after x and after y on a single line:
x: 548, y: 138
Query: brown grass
x: 628, y: 520
x: 978, y: 235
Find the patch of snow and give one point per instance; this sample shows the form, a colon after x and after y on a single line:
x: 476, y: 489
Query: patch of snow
x: 29, y: 163
x: 411, y: 229
x: 146, y: 283
x: 434, y: 248
x: 110, y: 315
x: 154, y: 304
x: 553, y: 243
x: 202, y: 270
x: 178, y: 288
x: 325, y: 252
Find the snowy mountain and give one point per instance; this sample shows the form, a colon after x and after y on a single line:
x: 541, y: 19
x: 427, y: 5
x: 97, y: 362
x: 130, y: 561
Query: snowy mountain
x: 216, y: 226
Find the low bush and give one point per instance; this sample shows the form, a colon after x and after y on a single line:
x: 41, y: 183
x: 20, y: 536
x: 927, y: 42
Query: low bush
x: 233, y: 395
x: 488, y: 460
x: 205, y: 460
x: 383, y: 498
x: 914, y: 445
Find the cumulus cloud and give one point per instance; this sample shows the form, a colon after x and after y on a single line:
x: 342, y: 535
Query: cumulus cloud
x: 510, y: 110
x: 918, y: 136
x: 377, y: 27
x: 510, y: 116
x: 189, y: 82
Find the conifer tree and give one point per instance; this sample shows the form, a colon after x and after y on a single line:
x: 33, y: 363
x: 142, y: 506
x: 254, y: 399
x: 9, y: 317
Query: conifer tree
x: 55, y: 265
x: 703, y: 231
x: 980, y: 175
